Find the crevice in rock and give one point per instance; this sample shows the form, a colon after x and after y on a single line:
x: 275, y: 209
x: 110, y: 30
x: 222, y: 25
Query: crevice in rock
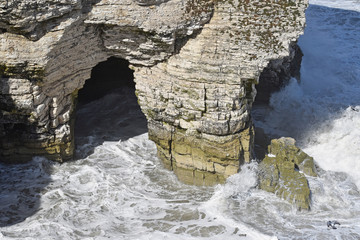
x: 273, y: 78
x: 149, y: 2
x: 296, y: 167
x: 170, y: 149
x: 278, y: 73
x: 180, y: 42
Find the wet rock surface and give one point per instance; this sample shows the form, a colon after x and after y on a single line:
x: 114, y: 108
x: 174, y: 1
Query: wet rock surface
x: 283, y: 171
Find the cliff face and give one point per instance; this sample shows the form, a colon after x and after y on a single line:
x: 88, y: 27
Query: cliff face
x: 196, y: 65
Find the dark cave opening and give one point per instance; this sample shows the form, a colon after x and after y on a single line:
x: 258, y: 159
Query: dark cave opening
x: 272, y: 79
x: 107, y: 108
x: 107, y: 76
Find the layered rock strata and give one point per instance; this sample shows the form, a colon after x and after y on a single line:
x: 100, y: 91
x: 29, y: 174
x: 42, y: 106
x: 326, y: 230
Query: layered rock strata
x: 196, y: 64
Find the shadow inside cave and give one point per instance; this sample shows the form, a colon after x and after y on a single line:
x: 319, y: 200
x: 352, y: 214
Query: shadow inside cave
x: 107, y: 107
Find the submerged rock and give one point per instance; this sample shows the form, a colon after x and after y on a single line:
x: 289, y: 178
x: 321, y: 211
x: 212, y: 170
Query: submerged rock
x: 283, y: 171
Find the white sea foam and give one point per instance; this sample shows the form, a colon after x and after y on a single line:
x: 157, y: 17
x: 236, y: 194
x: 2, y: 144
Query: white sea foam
x: 121, y: 191
x: 336, y: 147
x: 218, y: 206
x: 322, y: 112
x: 341, y: 4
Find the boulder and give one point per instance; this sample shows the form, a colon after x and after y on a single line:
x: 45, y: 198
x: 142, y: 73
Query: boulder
x: 283, y: 172
x: 284, y: 148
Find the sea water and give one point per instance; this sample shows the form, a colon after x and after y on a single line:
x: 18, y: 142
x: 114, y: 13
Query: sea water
x: 118, y: 189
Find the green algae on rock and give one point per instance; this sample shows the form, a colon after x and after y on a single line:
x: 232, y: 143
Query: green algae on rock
x: 282, y: 172
x: 285, y: 148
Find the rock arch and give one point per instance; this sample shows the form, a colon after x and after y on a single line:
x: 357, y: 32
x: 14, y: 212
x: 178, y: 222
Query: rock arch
x: 196, y: 64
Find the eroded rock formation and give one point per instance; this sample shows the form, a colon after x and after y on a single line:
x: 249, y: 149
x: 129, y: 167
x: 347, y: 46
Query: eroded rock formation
x: 283, y: 172
x: 196, y: 64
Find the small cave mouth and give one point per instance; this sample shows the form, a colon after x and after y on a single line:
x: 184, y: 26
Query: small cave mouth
x: 107, y: 76
x: 274, y: 77
x: 270, y: 81
x: 107, y: 108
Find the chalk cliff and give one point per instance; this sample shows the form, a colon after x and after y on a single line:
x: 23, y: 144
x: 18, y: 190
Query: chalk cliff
x: 196, y: 64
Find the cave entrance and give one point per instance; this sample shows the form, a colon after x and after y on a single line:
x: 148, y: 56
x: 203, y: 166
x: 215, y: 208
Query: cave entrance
x: 107, y: 108
x: 272, y: 79
x: 260, y: 109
